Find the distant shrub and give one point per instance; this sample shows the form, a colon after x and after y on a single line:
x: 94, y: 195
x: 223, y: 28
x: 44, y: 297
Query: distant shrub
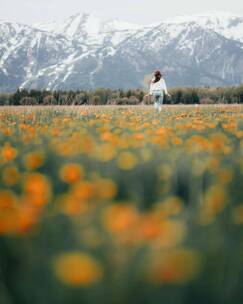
x: 147, y: 100
x: 80, y: 99
x: 102, y: 96
x: 27, y: 101
x: 206, y: 100
x: 49, y: 100
x: 62, y: 100
x: 122, y: 101
x: 112, y: 101
x: 133, y: 100
x: 95, y: 100
x: 5, y: 99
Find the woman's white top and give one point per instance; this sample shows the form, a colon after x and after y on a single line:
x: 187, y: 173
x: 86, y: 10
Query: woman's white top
x: 158, y: 86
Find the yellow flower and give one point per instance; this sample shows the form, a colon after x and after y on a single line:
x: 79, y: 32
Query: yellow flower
x: 105, y: 152
x: 77, y: 269
x: 126, y: 161
x: 171, y: 206
x: 225, y: 176
x: 237, y: 215
x: 176, y: 140
x: 105, y: 188
x: 146, y: 154
x: 215, y: 201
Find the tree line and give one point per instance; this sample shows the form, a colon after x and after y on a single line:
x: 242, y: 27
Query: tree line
x: 102, y: 96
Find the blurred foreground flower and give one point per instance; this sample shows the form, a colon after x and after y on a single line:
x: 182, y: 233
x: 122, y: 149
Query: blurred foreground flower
x: 34, y: 160
x: 237, y: 215
x: 8, y: 152
x: 214, y: 203
x: 71, y: 173
x: 77, y: 269
x: 120, y: 218
x: 175, y: 266
x: 37, y: 190
x: 126, y: 161
x: 10, y: 175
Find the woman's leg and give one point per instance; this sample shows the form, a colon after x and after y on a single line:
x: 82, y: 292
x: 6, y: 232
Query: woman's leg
x: 155, y: 101
x: 161, y: 100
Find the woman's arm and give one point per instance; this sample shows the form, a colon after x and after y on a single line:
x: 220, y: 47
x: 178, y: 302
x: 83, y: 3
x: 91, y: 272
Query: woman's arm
x: 151, y: 87
x: 165, y: 87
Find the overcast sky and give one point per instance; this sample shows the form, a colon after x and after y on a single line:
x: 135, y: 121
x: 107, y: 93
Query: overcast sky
x: 136, y: 11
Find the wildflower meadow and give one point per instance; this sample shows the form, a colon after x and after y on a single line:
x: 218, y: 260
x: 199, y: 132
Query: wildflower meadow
x: 119, y: 204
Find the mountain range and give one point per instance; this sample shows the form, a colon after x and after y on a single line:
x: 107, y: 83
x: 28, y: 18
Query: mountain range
x: 85, y: 52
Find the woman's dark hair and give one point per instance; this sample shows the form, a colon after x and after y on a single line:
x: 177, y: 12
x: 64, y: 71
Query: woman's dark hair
x: 158, y: 76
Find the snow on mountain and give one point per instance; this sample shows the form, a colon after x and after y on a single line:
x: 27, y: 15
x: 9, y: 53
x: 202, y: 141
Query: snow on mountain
x: 193, y: 56
x: 26, y: 51
x: 228, y: 25
x: 91, y: 30
x: 85, y: 52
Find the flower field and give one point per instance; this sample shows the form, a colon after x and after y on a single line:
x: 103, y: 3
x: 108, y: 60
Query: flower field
x: 118, y: 205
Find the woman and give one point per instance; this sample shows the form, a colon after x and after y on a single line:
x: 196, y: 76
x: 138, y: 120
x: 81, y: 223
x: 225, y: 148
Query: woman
x: 158, y: 89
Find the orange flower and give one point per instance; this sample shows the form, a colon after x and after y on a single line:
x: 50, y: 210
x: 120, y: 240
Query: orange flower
x: 7, y: 132
x: 139, y: 136
x: 34, y: 160
x: 26, y: 218
x: 149, y: 227
x: 120, y: 218
x: 36, y: 189
x: 175, y: 267
x: 164, y: 233
x: 7, y: 200
x: 218, y: 141
x: 10, y: 176
x: 72, y: 205
x: 198, y: 142
x: 77, y: 269
x: 8, y: 204
x: 83, y: 190
x: 71, y: 173
x: 8, y: 152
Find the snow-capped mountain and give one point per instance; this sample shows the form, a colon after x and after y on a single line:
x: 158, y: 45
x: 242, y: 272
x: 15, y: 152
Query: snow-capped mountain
x: 91, y: 30
x: 86, y: 52
x: 228, y: 25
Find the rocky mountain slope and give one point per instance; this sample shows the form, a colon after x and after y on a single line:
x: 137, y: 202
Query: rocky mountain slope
x: 86, y: 52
